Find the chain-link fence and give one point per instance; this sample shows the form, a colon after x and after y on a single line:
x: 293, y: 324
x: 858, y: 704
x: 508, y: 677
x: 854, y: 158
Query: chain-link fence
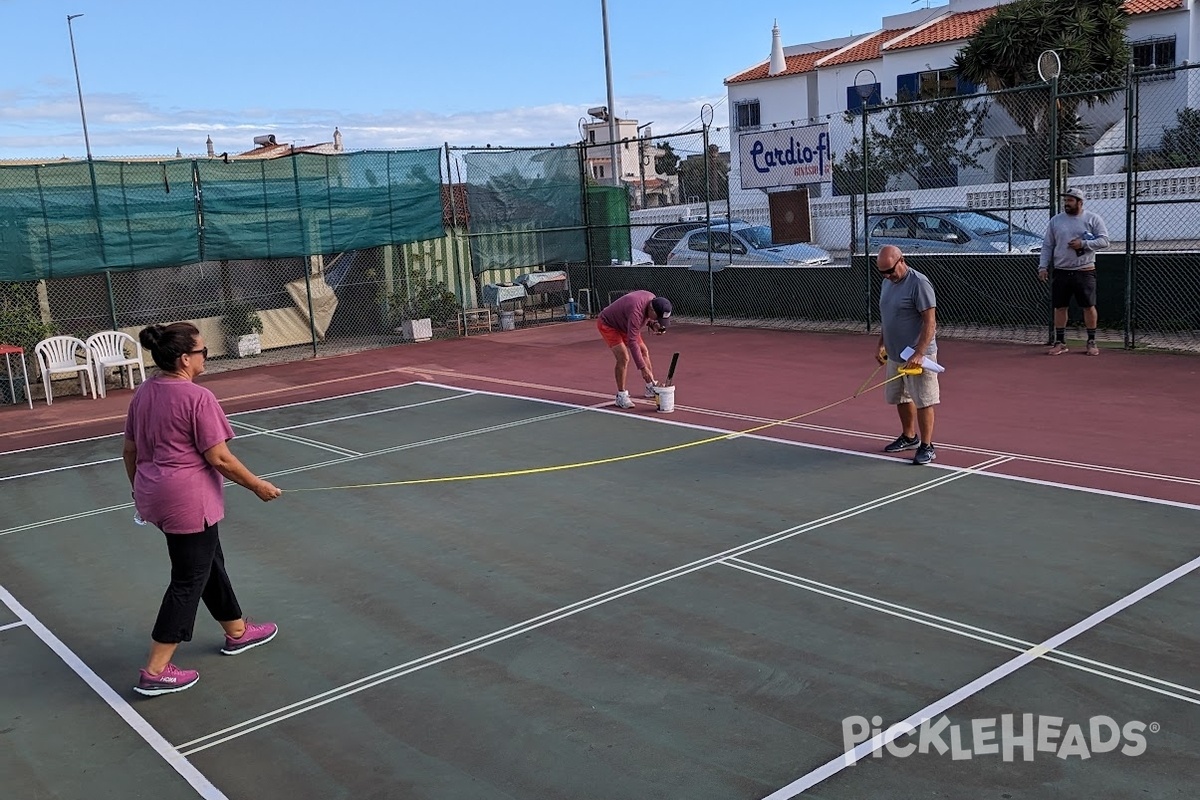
x: 308, y: 255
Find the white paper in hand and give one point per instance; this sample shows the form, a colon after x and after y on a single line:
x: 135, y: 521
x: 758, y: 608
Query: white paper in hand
x: 926, y: 362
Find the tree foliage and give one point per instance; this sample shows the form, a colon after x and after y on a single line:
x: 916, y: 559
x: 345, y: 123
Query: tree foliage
x: 1089, y: 38
x: 848, y: 169
x: 1180, y: 146
x: 931, y: 141
x: 668, y: 162
x: 692, y: 176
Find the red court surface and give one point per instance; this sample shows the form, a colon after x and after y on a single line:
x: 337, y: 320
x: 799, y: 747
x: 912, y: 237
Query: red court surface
x: 1124, y: 422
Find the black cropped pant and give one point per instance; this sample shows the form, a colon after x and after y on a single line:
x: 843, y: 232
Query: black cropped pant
x: 197, y: 573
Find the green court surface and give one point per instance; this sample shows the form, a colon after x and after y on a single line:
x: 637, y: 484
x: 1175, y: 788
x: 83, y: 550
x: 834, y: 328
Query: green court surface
x: 697, y: 621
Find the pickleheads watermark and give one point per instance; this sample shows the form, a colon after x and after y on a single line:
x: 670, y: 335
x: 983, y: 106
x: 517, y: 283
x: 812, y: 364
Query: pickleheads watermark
x: 1007, y: 736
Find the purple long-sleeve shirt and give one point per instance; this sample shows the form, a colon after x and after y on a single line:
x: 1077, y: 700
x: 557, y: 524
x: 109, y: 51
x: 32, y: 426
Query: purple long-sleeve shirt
x: 628, y: 314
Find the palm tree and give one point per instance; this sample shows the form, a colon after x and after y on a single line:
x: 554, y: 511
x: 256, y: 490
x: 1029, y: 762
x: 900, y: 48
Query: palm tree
x: 1089, y: 38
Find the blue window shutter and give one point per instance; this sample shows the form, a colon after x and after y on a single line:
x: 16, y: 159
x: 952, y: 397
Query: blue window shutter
x: 854, y: 99
x: 908, y: 86
x: 964, y: 86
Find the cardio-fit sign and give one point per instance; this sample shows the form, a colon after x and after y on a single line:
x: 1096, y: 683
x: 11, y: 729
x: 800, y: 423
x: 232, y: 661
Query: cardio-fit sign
x: 785, y: 157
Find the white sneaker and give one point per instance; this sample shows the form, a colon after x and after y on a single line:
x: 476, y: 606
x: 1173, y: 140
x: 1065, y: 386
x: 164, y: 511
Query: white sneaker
x: 623, y: 400
x: 651, y: 390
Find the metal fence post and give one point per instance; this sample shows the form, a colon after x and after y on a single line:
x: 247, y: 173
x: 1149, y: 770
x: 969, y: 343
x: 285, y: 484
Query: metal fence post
x: 1131, y: 165
x: 712, y: 301
x: 865, y: 216
x: 112, y: 300
x: 1053, y: 123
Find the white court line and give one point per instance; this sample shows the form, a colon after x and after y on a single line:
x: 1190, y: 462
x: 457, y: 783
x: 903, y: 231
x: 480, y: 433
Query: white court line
x: 1080, y: 465
x: 400, y: 670
x: 979, y: 451
x: 257, y: 431
x: 196, y: 779
x: 657, y: 420
x: 12, y: 625
x: 1138, y: 679
x: 85, y: 439
x: 287, y: 437
x: 604, y: 407
x: 939, y: 707
x: 318, y: 465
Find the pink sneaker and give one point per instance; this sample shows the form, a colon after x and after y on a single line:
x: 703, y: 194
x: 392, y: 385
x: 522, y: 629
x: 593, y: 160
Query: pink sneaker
x: 256, y: 633
x: 171, y: 679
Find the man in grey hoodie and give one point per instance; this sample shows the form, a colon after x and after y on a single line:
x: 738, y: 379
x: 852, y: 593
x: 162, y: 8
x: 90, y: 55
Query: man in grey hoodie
x: 1070, y: 246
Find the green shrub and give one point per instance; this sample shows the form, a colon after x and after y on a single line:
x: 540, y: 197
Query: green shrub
x: 240, y: 319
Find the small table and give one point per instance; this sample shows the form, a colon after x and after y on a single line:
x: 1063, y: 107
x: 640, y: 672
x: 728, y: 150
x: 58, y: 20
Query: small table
x: 496, y: 293
x: 12, y: 350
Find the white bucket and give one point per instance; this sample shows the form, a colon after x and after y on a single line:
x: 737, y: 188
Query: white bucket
x: 508, y: 320
x: 664, y: 396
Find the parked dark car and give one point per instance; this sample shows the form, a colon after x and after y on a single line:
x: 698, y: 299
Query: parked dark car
x: 663, y: 239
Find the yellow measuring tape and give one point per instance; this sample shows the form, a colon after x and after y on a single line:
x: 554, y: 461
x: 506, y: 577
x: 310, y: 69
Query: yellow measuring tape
x: 600, y: 461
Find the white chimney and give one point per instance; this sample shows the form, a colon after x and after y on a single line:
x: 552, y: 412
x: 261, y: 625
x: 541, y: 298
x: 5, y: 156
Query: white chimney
x: 211, y: 152
x: 337, y: 140
x: 778, y: 63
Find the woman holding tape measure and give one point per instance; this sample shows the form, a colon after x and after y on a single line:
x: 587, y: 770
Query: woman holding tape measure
x: 908, y: 318
x: 176, y: 458
x: 620, y: 325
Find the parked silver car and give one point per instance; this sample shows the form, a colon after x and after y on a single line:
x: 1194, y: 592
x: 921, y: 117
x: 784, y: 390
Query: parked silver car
x: 742, y: 244
x: 949, y: 230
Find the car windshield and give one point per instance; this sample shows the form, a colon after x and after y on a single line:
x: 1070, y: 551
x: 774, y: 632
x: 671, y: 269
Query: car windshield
x: 981, y: 224
x: 758, y: 236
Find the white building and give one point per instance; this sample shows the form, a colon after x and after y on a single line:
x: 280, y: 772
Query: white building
x: 910, y: 54
x: 636, y: 157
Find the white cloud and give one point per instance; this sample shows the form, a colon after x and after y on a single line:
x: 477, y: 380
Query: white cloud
x: 44, y: 124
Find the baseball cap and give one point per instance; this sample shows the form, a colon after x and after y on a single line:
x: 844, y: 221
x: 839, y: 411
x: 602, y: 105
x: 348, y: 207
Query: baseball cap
x: 1076, y: 193
x: 662, y: 307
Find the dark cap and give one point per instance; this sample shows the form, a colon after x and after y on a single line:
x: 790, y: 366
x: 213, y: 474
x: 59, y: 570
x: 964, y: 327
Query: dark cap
x: 662, y: 307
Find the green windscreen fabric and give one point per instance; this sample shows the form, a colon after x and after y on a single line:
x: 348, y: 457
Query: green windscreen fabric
x: 526, y: 208
x: 54, y: 225
x: 57, y: 221
x: 608, y: 223
x: 306, y: 204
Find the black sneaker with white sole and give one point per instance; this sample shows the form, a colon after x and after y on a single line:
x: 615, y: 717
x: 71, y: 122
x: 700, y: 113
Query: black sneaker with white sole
x: 903, y: 443
x: 925, y: 454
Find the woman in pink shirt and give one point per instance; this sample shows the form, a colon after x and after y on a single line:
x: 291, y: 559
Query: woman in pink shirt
x: 177, y: 459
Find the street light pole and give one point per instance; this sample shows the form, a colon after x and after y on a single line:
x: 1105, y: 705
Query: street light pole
x: 79, y: 86
x: 612, y: 109
x: 112, y: 307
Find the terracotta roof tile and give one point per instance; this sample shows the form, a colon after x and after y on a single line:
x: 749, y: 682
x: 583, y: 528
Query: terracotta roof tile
x: 865, y: 50
x: 1146, y: 6
x: 794, y: 65
x: 947, y: 29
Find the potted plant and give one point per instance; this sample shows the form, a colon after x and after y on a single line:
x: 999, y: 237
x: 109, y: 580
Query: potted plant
x: 241, y: 325
x: 420, y: 306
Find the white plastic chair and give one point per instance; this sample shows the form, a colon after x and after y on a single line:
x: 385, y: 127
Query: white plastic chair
x: 108, y: 349
x: 60, y: 354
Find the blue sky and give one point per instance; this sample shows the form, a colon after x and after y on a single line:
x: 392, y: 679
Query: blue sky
x: 162, y: 76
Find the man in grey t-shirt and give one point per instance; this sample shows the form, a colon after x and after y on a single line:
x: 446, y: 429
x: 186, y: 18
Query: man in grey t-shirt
x: 907, y: 308
x: 1070, y: 246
